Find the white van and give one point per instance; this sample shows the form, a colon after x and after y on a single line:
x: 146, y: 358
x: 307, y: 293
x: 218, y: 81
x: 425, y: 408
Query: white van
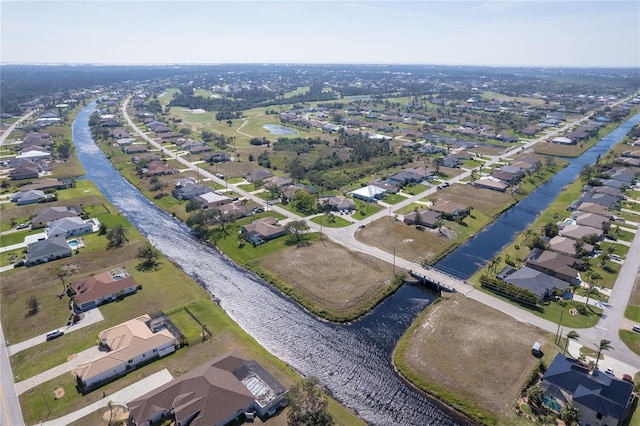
x: 55, y: 333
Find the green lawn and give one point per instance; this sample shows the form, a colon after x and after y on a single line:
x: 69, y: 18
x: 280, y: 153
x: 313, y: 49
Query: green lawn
x: 335, y: 222
x: 393, y: 198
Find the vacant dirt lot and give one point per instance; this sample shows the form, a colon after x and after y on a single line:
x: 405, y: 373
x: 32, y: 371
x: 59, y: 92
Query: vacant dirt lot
x: 332, y: 277
x: 487, y: 201
x: 476, y: 352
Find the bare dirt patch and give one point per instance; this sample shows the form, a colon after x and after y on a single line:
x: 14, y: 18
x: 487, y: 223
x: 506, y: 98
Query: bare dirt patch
x: 116, y: 413
x: 473, y: 351
x: 58, y: 392
x: 330, y: 276
x: 487, y: 201
x: 72, y: 357
x: 409, y: 242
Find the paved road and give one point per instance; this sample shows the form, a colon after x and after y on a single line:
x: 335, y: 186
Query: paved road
x: 9, y: 403
x: 11, y: 128
x: 345, y: 236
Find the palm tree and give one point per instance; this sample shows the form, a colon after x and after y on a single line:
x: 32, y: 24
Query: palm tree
x: 604, y: 345
x: 570, y: 335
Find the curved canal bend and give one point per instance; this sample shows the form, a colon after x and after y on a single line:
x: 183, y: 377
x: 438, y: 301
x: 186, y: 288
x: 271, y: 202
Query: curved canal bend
x: 352, y: 360
x: 467, y: 259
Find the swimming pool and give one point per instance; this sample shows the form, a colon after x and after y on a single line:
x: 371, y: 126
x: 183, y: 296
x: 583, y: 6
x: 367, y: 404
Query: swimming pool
x: 74, y: 244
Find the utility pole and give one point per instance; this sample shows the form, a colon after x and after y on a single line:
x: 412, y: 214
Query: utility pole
x: 558, y: 331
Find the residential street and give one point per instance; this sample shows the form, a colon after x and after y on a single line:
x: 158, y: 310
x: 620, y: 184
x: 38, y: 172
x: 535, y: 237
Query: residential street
x: 608, y: 325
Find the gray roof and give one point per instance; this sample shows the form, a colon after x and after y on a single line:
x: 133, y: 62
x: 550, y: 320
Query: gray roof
x: 535, y: 281
x: 602, y: 393
x: 53, y: 246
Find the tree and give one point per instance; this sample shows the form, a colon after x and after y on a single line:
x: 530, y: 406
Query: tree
x: 193, y: 205
x: 308, y: 405
x: 591, y: 286
x: 296, y: 230
x: 61, y: 272
x: 148, y: 256
x: 605, y: 345
x: 534, y: 395
x: 570, y: 414
x: 551, y: 229
x: 117, y: 236
x: 304, y: 201
x: 103, y: 229
x: 437, y: 163
x: 32, y: 306
x: 579, y: 248
x: 64, y: 150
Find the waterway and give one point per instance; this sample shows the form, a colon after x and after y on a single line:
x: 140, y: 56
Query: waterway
x: 352, y: 360
x: 475, y: 253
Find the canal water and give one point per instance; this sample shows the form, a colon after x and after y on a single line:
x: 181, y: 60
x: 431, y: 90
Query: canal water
x: 475, y: 253
x: 352, y: 360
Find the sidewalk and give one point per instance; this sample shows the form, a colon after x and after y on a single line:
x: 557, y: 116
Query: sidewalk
x: 38, y: 379
x: 121, y: 397
x: 90, y: 317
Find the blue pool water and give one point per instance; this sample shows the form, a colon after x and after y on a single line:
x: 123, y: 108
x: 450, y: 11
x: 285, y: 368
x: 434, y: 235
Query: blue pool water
x: 274, y: 129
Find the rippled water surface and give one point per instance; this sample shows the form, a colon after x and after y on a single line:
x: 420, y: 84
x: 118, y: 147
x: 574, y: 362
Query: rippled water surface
x: 352, y: 360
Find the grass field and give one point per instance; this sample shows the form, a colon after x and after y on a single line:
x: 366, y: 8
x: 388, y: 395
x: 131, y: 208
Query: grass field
x: 446, y: 349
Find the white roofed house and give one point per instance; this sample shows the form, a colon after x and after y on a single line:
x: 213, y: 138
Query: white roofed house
x: 212, y: 199
x: 368, y: 193
x: 70, y: 227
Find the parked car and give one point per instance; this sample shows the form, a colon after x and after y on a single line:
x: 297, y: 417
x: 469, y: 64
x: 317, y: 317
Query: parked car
x: 361, y: 226
x: 609, y: 371
x: 55, y: 334
x: 636, y: 327
x: 23, y: 226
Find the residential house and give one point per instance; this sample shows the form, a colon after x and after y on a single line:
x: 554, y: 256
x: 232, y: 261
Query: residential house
x: 413, y: 175
x: 28, y: 197
x: 237, y: 209
x: 67, y: 227
x: 368, y: 193
x: 200, y: 149
x: 134, y: 149
x: 279, y: 181
x: 25, y: 171
x: 215, y: 393
x: 258, y: 175
x: 426, y: 218
x: 34, y: 155
x: 608, y: 201
x: 212, y: 199
x: 43, y: 251
x: 449, y: 207
x: 217, y: 157
x: 535, y: 281
x: 577, y: 232
x: 158, y: 168
x: 189, y: 191
x: 389, y: 186
x: 338, y: 203
x: 555, y: 264
x: 105, y: 287
x: 589, y: 219
x: 263, y: 230
x: 567, y: 246
x: 563, y: 140
x: 489, y: 182
x: 593, y: 208
x: 43, y: 217
x: 129, y: 345
x: 601, y: 399
x: 48, y: 183
x: 289, y: 191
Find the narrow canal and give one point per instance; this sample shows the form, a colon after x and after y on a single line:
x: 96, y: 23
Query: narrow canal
x: 352, y: 360
x: 475, y: 253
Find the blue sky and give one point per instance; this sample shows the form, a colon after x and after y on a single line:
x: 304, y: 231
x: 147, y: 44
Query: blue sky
x: 495, y: 33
